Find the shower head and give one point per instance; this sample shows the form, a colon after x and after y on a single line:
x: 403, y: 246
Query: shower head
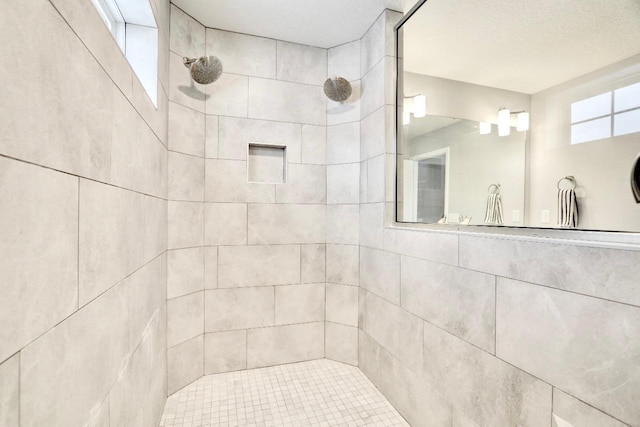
x: 337, y: 89
x: 204, y: 70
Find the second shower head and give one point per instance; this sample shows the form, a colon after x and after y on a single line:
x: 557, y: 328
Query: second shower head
x: 204, y: 70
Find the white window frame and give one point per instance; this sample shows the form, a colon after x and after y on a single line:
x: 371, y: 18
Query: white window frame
x: 142, y: 39
x: 611, y: 114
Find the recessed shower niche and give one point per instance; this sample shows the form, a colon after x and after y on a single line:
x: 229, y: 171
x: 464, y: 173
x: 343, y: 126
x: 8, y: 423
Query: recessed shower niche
x: 266, y: 163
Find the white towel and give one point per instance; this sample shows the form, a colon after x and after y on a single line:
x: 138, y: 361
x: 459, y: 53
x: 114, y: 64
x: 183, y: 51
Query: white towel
x: 567, y: 208
x: 493, y: 215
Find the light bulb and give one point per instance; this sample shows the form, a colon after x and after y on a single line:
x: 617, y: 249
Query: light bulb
x: 523, y: 121
x: 406, y: 118
x: 419, y: 106
x: 504, y: 122
x: 485, y: 128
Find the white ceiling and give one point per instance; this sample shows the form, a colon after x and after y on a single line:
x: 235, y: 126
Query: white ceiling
x: 524, y: 46
x: 321, y: 23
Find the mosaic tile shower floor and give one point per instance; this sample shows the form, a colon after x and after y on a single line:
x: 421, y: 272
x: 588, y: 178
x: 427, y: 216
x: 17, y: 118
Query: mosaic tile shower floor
x: 316, y: 393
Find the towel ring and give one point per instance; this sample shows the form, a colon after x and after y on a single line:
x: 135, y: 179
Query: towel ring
x: 497, y: 189
x: 569, y: 178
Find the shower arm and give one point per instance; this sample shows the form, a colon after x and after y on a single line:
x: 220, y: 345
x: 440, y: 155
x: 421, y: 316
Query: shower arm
x: 188, y: 61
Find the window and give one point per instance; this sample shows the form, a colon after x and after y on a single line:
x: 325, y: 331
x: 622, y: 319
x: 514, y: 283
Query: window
x: 610, y: 114
x: 134, y: 28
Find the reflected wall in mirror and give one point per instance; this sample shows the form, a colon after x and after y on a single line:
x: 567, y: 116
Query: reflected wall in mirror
x: 519, y: 113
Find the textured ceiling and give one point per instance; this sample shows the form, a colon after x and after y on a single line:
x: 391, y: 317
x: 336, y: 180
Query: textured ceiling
x: 524, y: 46
x: 322, y: 23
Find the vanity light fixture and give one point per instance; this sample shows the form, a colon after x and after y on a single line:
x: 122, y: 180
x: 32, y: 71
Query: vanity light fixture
x: 485, y: 128
x: 406, y: 118
x: 523, y: 121
x: 504, y: 122
x: 417, y: 105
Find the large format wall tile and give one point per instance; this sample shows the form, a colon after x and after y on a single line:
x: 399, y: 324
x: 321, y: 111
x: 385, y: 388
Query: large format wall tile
x: 312, y: 263
x: 225, y: 352
x: 226, y: 181
x: 343, y: 224
x: 605, y: 273
x: 185, y: 363
x: 237, y: 133
x: 66, y: 126
x: 419, y: 403
x: 343, y: 183
x: 342, y: 304
x: 373, y: 89
x: 186, y: 130
x: 240, y: 266
x: 459, y: 301
x: 138, y: 396
x: 342, y: 264
x: 155, y: 227
x: 376, y: 179
x: 211, y: 141
x: 569, y: 411
x: 227, y: 96
x: 138, y: 158
x: 314, y: 144
x: 380, y: 273
x: 439, y: 247
x: 285, y: 344
x: 186, y: 177
x: 111, y: 237
x: 187, y: 36
x: 286, y: 224
x: 243, y: 54
x: 369, y: 357
x: 299, y: 303
x: 146, y: 300
x: 75, y: 361
x: 585, y: 346
x: 306, y: 184
x: 185, y: 316
x: 344, y: 61
x: 241, y: 308
x: 487, y: 389
x: 398, y: 331
x: 286, y: 102
x: 301, y: 63
x: 341, y: 343
x: 186, y: 224
x: 372, y: 232
x: 343, y: 143
x: 373, y: 45
x: 38, y: 252
x: 10, y: 392
x: 185, y: 271
x: 373, y: 133
x: 225, y: 224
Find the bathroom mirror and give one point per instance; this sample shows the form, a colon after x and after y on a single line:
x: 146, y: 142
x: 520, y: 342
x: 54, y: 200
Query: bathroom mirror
x: 528, y: 117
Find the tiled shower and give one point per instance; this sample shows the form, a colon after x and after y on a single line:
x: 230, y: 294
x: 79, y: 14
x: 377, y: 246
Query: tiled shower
x: 238, y: 237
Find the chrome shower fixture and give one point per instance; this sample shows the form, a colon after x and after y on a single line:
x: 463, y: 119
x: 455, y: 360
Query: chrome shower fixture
x: 204, y: 70
x: 337, y: 89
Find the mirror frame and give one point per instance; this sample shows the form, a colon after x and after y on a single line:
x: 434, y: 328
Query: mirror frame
x: 593, y: 238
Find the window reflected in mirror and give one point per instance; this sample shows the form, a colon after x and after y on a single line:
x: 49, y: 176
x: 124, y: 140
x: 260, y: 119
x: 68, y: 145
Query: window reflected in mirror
x: 519, y: 114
